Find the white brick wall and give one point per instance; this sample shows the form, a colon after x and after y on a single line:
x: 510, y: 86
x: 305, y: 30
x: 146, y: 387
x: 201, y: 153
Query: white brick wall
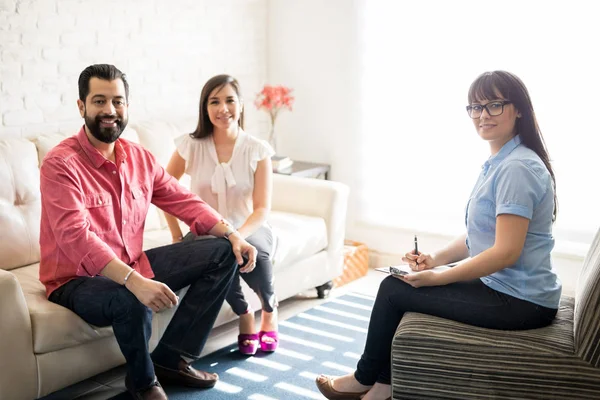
x: 168, y: 49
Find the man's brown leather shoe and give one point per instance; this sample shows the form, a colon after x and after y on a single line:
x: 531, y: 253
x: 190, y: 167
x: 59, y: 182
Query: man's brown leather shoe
x: 152, y: 392
x: 186, y: 375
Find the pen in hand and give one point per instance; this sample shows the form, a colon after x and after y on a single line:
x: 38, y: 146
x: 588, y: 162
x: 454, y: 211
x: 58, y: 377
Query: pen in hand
x: 416, y: 250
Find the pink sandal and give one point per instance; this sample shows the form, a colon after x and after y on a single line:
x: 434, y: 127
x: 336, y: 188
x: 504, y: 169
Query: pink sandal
x: 250, y: 348
x: 269, y: 346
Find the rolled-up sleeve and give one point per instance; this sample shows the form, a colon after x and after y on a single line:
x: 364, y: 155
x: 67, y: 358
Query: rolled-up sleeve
x: 519, y: 189
x: 64, y: 205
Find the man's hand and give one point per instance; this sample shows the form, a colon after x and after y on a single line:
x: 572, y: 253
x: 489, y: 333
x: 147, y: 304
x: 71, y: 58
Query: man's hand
x: 242, y: 248
x: 155, y: 295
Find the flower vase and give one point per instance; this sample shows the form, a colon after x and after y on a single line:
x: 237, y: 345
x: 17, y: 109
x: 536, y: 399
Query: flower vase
x: 273, y: 138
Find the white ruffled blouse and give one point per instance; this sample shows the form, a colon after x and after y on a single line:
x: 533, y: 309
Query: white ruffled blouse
x: 227, y: 187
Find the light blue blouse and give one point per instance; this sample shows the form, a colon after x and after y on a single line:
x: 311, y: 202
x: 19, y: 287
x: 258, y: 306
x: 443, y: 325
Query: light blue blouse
x: 516, y: 181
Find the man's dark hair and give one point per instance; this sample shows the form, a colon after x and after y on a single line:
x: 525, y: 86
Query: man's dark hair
x: 102, y: 71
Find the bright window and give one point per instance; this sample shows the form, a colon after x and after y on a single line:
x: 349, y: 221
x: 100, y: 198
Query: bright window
x: 422, y: 154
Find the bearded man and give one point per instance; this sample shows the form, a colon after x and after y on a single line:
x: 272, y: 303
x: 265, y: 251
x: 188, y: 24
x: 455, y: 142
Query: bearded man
x: 96, y: 190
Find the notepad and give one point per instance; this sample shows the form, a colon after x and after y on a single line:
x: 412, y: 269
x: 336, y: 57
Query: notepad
x: 404, y: 269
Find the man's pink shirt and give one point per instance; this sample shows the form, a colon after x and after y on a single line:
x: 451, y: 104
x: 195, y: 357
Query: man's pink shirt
x: 94, y: 210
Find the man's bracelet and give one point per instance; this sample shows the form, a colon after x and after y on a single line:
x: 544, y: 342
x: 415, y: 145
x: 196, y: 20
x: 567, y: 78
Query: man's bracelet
x: 127, y: 276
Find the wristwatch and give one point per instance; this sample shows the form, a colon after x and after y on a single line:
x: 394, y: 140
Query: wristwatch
x: 230, y: 229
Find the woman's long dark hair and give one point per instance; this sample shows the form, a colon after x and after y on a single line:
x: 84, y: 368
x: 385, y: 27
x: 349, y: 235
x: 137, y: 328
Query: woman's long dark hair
x: 205, y: 127
x: 488, y: 85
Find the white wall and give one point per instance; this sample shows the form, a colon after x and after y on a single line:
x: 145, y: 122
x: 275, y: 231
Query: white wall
x: 168, y: 49
x: 315, y: 47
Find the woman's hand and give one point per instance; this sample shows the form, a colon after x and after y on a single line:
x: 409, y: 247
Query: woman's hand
x: 423, y: 278
x: 419, y: 262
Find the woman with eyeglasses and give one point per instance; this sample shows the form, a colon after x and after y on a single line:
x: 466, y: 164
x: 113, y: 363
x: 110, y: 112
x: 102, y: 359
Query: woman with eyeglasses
x: 504, y: 279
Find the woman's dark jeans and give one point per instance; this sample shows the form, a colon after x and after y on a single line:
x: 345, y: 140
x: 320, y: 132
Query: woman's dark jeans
x: 260, y: 279
x: 469, y: 302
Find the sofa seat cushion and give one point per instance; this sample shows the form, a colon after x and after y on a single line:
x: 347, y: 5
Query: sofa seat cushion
x: 437, y: 358
x: 296, y: 237
x: 54, y: 327
x: 157, y: 238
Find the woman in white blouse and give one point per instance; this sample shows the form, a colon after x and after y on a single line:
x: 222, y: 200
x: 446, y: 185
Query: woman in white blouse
x: 232, y: 172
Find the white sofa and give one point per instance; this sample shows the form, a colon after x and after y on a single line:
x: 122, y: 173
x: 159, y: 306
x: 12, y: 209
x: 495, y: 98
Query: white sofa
x: 45, y: 347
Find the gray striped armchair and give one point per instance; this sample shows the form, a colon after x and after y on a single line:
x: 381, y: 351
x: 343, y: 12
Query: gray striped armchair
x: 434, y: 358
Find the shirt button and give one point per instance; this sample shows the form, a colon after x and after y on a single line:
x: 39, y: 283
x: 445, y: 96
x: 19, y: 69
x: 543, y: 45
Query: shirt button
x: 114, y: 172
x: 99, y: 201
x: 124, y: 222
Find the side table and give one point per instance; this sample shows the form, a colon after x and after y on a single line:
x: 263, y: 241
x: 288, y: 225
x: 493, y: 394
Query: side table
x: 306, y: 169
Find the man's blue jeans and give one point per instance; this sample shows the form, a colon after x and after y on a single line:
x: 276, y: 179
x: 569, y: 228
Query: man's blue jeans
x: 207, y: 266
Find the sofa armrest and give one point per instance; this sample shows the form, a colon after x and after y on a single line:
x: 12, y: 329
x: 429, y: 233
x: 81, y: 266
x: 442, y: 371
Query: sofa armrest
x: 18, y: 379
x: 317, y: 198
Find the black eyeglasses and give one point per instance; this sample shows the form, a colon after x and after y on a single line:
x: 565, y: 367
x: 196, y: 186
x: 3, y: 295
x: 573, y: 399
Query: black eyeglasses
x: 493, y: 108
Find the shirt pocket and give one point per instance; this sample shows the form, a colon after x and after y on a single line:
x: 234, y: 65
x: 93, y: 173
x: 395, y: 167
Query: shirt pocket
x: 140, y: 202
x: 100, y: 211
x: 481, y: 215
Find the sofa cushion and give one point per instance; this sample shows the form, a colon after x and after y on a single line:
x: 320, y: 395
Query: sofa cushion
x: 156, y: 238
x: 158, y: 136
x: 296, y: 236
x: 587, y: 306
x: 45, y: 143
x: 20, y: 203
x: 54, y: 327
x: 434, y: 357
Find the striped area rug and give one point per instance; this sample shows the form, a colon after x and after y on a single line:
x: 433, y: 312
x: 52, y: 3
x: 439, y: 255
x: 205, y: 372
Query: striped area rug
x: 328, y: 339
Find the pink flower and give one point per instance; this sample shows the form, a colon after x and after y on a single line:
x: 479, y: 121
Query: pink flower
x: 272, y: 99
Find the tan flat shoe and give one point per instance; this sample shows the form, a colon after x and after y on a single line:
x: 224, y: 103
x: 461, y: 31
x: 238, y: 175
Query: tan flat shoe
x: 326, y: 388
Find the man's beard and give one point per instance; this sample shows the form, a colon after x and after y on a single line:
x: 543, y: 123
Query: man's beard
x: 105, y: 134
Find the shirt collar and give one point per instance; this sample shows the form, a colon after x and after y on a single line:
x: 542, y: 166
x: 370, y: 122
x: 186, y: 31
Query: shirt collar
x: 503, y: 153
x: 94, y: 155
